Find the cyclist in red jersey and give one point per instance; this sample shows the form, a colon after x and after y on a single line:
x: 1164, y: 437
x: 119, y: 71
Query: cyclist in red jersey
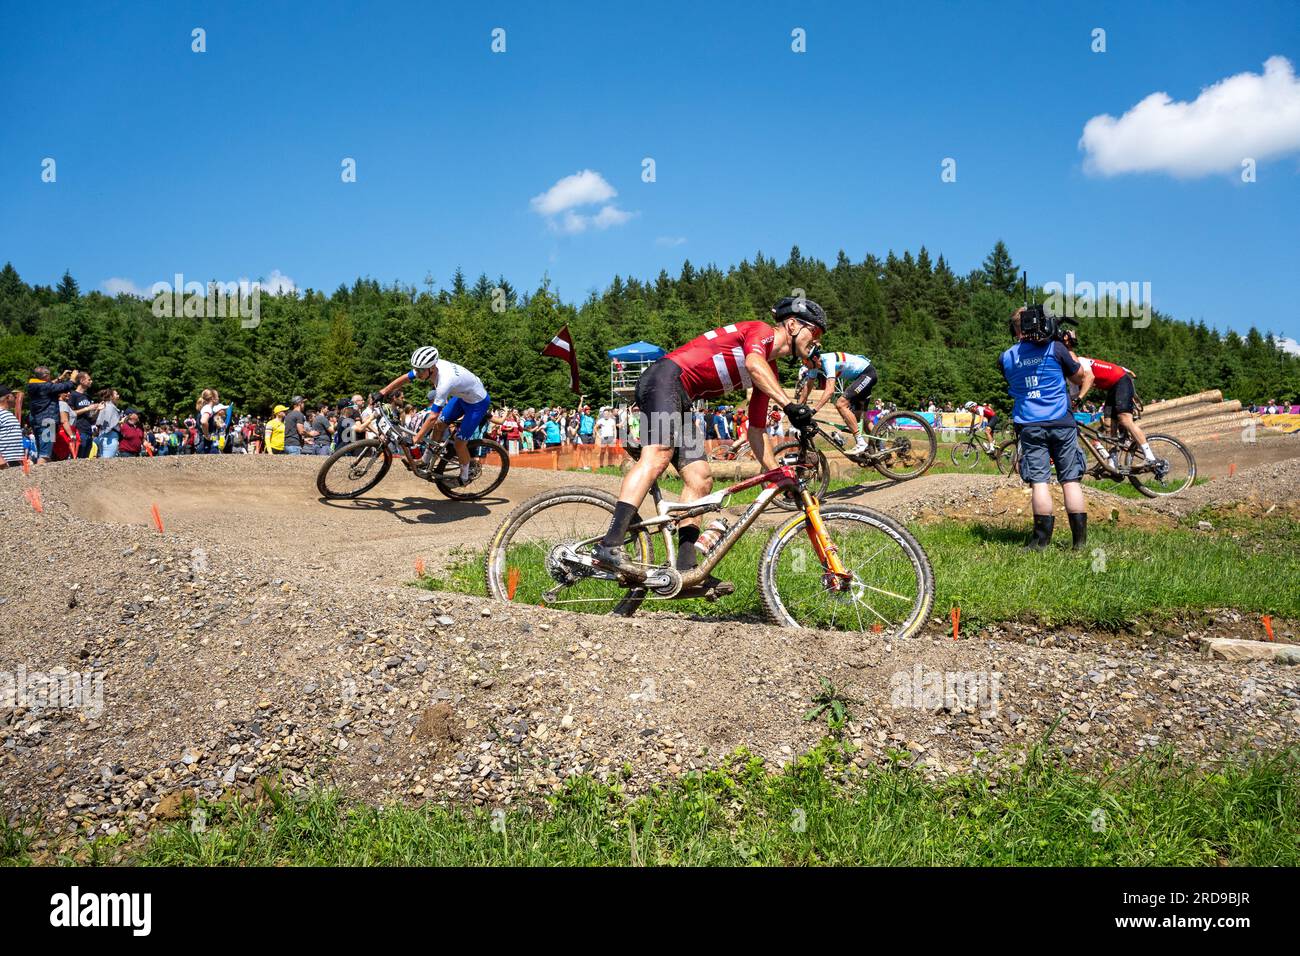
x: 984, y: 417
x: 736, y: 356
x: 1117, y: 407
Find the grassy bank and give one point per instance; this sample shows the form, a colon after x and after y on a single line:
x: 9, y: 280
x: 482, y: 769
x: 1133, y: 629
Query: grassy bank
x: 812, y: 813
x: 1127, y: 573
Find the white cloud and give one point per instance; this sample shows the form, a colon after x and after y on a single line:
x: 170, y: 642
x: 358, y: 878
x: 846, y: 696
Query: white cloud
x: 581, y: 189
x: 561, y: 203
x: 277, y: 283
x: 1249, y: 115
x: 670, y: 241
x: 116, y: 287
x: 1288, y: 345
x: 574, y: 222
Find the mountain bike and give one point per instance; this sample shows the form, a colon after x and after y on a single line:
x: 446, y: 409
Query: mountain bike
x: 736, y: 450
x: 900, y: 445
x: 842, y: 566
x: 966, y: 454
x: 360, y: 465
x: 1172, y: 470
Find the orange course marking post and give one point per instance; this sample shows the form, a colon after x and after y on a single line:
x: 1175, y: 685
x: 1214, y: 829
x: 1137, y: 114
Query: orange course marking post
x: 27, y: 465
x: 512, y: 583
x: 157, y: 519
x: 956, y: 621
x: 419, y: 567
x: 33, y: 496
x: 1268, y: 626
x: 1232, y: 469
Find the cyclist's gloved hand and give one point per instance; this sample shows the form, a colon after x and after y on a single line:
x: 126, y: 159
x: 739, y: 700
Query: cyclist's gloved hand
x: 798, y: 413
x: 376, y: 398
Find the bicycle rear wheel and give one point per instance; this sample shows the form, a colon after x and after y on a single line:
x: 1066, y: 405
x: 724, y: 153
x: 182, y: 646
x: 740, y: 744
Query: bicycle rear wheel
x: 1007, y: 457
x: 523, y: 564
x: 489, y: 465
x: 1178, y: 471
x: 893, y: 585
x: 354, y: 469
x: 903, y: 445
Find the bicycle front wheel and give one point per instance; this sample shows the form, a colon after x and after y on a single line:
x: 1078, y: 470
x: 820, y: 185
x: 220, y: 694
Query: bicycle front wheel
x: 354, y: 469
x: 811, y: 466
x: 892, y: 589
x: 524, y: 565
x: 965, y: 456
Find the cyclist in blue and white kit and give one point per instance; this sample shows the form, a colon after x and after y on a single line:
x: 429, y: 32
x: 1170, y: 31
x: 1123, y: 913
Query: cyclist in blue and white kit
x: 458, y: 396
x: 858, y: 377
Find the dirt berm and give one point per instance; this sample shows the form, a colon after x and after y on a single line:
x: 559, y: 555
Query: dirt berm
x: 266, y: 635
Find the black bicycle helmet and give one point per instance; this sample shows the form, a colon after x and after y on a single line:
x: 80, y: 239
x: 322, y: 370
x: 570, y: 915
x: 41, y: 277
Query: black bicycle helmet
x: 805, y: 310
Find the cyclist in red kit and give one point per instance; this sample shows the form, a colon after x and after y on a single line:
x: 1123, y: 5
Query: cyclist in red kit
x: 738, y: 356
x: 1117, y: 382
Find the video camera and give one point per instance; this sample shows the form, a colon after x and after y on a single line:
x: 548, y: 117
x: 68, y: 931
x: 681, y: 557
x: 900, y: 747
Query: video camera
x: 1036, y: 323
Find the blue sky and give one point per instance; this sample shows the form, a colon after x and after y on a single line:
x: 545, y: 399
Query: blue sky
x: 227, y: 163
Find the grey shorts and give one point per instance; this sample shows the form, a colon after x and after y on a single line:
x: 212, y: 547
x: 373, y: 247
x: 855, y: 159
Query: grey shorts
x: 1041, y: 445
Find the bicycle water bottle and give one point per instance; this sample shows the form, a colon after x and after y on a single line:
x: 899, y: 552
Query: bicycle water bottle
x: 711, y: 536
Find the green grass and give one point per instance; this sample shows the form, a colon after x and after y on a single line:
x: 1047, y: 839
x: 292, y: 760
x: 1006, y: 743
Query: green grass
x: 818, y: 811
x: 1127, y: 573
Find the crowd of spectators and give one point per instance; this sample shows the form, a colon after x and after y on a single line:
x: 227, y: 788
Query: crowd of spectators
x: 67, y: 419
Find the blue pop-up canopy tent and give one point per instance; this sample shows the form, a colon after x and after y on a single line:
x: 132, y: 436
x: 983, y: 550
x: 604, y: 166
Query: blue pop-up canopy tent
x: 637, y: 352
x: 626, y: 365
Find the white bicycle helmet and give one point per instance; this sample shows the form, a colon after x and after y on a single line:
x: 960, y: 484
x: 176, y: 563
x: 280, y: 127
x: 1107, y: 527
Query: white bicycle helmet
x: 968, y: 406
x: 426, y: 356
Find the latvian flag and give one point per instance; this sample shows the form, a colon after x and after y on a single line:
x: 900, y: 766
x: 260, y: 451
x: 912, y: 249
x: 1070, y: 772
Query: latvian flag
x: 562, y: 347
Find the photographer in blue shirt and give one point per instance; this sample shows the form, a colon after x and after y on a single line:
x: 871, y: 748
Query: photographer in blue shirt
x: 1037, y: 369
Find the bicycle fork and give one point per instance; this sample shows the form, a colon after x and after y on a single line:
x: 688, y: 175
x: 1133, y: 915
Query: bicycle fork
x: 835, y: 578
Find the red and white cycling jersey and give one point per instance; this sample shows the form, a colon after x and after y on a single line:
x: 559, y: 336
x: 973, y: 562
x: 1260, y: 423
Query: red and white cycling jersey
x: 1105, y: 375
x: 713, y: 364
x: 984, y: 411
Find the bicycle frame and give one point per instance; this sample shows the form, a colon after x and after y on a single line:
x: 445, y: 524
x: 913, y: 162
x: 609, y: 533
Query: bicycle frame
x: 778, y: 480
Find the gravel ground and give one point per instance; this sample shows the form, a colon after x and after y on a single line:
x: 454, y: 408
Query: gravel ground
x: 231, y: 656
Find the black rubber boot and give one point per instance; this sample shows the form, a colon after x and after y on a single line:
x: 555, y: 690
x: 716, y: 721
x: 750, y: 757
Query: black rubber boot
x: 1042, y: 535
x: 1079, y: 530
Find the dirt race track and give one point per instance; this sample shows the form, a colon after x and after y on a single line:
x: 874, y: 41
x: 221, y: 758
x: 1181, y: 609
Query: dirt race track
x: 266, y: 633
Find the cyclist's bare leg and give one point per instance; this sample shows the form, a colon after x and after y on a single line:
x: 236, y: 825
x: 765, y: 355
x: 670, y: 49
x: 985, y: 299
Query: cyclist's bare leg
x: 846, y: 412
x: 1125, y: 421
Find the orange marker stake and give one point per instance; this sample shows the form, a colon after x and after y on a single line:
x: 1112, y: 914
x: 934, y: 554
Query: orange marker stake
x: 157, y: 519
x: 1232, y: 469
x: 875, y: 627
x: 33, y: 496
x: 27, y: 465
x: 419, y: 567
x: 956, y: 621
x: 512, y: 582
x: 1268, y: 626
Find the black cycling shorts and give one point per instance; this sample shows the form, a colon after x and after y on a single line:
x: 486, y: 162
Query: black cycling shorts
x: 859, y: 393
x: 666, y: 416
x: 1120, y: 397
